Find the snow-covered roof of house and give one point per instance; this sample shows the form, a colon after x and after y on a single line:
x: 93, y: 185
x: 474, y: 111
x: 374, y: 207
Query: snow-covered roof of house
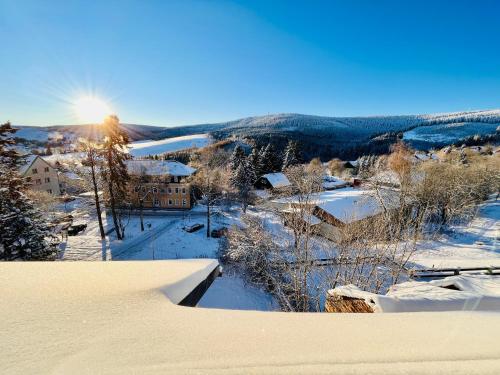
x: 454, y: 293
x: 159, y: 168
x: 277, y: 180
x: 346, y: 204
x: 349, y: 205
x: 121, y: 318
x: 28, y: 161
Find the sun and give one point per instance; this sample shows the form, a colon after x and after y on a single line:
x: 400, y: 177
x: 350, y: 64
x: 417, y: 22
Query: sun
x: 91, y: 110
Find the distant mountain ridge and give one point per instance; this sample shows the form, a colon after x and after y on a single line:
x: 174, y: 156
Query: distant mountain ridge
x: 329, y: 133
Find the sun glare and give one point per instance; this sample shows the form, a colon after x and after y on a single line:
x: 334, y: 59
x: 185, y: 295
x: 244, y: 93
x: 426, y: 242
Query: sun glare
x: 90, y: 109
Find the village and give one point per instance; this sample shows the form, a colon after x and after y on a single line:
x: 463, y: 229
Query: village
x: 272, y: 220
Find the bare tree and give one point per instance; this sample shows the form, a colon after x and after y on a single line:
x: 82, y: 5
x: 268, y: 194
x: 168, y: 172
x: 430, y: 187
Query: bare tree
x: 93, y: 161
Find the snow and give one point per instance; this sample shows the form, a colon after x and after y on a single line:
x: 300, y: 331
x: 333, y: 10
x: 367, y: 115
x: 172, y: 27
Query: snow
x: 231, y: 292
x: 475, y: 293
x: 144, y: 148
x: 347, y: 205
x: 32, y: 133
x: 333, y: 182
x: 159, y: 168
x: 28, y: 160
x: 472, y: 245
x: 447, y: 133
x: 277, y: 180
x: 119, y: 318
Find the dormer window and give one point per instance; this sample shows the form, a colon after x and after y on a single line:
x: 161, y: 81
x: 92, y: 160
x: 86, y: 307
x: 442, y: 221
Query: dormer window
x: 34, y: 171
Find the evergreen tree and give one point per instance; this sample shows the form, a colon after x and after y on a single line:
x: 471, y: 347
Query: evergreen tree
x: 24, y: 234
x: 237, y: 158
x: 114, y: 171
x: 242, y: 180
x: 269, y: 159
x: 292, y: 155
x: 256, y: 163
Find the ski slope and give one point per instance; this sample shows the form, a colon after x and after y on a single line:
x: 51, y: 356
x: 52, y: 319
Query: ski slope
x: 144, y: 148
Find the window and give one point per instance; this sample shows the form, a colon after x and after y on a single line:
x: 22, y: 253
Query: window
x: 47, y: 179
x: 162, y: 190
x: 184, y: 191
x: 176, y: 190
x: 34, y: 171
x: 156, y: 202
x: 28, y: 179
x: 144, y: 189
x: 170, y: 202
x: 46, y: 169
x: 49, y: 191
x: 184, y: 202
x: 170, y: 190
x: 38, y: 181
x: 136, y: 189
x: 155, y: 190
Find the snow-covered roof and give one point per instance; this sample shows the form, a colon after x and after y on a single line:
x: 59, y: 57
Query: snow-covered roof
x: 349, y: 205
x: 468, y: 292
x: 28, y: 161
x: 159, y: 168
x: 121, y: 318
x: 346, y: 204
x: 277, y: 180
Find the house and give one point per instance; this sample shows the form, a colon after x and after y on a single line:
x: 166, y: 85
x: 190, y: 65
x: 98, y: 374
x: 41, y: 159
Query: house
x: 40, y: 175
x: 273, y: 181
x: 159, y: 184
x: 337, y: 208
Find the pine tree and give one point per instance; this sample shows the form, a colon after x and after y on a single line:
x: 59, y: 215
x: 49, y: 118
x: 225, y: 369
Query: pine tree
x: 270, y: 161
x: 292, y: 155
x: 24, y: 234
x: 114, y: 171
x: 237, y: 158
x: 242, y: 180
x: 256, y: 163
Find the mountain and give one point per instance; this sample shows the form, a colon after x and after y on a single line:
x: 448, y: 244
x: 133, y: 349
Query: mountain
x: 319, y: 135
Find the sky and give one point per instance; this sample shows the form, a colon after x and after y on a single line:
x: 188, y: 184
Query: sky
x: 186, y: 62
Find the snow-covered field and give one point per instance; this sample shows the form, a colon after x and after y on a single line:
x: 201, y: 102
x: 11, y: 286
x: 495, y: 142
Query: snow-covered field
x: 449, y: 133
x: 474, y: 245
x: 144, y: 148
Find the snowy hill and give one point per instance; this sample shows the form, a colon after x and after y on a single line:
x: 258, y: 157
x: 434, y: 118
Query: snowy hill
x: 144, y: 148
x: 322, y: 136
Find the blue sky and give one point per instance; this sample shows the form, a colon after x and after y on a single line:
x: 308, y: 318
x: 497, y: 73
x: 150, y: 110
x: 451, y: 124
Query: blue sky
x: 187, y: 62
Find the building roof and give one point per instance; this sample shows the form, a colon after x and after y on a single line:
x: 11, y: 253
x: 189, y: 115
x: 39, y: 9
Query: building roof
x: 121, y: 318
x: 159, y: 168
x: 29, y: 160
x: 454, y: 293
x: 277, y: 180
x: 347, y: 204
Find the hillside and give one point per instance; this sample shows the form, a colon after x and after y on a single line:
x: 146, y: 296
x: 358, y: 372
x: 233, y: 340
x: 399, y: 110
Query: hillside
x: 321, y: 136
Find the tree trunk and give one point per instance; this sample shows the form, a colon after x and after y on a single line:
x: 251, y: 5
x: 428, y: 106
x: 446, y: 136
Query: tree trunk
x: 113, y: 211
x: 142, y: 219
x: 208, y: 217
x: 97, y: 202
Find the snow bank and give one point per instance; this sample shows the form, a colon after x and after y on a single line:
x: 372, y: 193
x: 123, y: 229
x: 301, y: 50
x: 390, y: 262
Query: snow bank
x: 144, y: 148
x: 116, y: 317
